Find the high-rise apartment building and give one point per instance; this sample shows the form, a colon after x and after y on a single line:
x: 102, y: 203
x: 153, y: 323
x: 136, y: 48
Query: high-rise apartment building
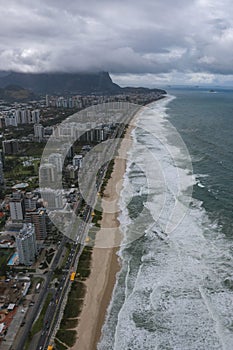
x: 48, y: 174
x: 17, y: 207
x: 30, y: 201
x: 57, y: 160
x: 26, y: 245
x: 10, y: 147
x: 38, y: 218
x: 52, y: 199
x: 38, y: 132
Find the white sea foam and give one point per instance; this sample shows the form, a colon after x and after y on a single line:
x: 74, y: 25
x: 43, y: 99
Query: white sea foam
x: 175, y: 289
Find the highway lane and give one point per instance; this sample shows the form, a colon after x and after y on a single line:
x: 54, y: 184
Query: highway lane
x: 55, y: 305
x: 33, y: 312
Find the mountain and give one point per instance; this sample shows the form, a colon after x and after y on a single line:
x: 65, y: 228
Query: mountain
x: 56, y: 83
x: 13, y: 93
x: 141, y: 90
x: 68, y: 83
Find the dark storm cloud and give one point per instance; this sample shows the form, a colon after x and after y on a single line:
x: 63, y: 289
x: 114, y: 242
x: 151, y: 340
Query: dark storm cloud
x: 158, y: 37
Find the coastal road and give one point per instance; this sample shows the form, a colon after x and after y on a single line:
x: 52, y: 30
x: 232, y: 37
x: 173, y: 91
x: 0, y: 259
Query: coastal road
x: 54, y: 309
x: 33, y: 312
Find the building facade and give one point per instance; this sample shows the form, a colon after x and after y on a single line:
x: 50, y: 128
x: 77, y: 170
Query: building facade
x: 17, y: 207
x: 26, y: 245
x: 39, y: 219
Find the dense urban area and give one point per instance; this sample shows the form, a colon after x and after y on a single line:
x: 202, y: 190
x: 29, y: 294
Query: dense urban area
x: 41, y: 269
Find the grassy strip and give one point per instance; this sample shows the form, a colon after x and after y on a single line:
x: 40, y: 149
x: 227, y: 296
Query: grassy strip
x: 77, y: 291
x: 107, y: 176
x: 73, y: 308
x: 67, y: 337
x: 97, y: 217
x: 49, y: 257
x: 4, y: 257
x: 35, y: 281
x: 69, y: 323
x: 38, y: 325
x: 67, y: 253
x: 59, y: 345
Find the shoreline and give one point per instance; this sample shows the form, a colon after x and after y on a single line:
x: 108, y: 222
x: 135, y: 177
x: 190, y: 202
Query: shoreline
x: 105, y: 262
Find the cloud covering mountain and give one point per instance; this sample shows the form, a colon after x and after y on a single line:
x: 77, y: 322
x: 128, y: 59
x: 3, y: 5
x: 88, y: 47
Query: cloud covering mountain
x: 167, y: 40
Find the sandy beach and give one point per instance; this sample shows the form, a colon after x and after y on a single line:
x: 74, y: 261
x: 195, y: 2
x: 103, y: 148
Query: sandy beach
x: 105, y: 262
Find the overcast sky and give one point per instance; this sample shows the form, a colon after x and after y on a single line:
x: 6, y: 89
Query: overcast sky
x: 139, y: 42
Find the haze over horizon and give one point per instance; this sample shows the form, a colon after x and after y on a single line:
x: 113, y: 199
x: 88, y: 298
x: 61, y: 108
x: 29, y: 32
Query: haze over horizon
x: 150, y: 43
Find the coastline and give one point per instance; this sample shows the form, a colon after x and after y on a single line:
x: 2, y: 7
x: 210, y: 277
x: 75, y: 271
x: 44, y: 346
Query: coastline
x: 105, y: 261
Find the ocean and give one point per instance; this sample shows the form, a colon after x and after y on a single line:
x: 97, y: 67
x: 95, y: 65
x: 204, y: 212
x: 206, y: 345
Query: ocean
x: 175, y: 287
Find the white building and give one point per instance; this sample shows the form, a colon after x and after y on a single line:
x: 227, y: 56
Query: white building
x: 24, y: 116
x: 17, y: 210
x: 77, y: 161
x: 35, y: 116
x: 26, y: 245
x: 39, y: 132
x: 47, y: 100
x: 52, y: 199
x: 30, y: 201
x: 57, y: 160
x: 11, y: 120
x: 48, y: 174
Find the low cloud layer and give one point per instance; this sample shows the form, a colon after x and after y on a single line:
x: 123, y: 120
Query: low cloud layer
x: 165, y: 39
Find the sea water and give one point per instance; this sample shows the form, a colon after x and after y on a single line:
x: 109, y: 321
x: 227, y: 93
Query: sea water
x: 175, y: 287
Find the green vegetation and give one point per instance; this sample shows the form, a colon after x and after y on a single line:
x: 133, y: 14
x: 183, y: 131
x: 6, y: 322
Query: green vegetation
x: 69, y: 323
x: 107, y: 176
x: 49, y: 255
x: 12, y: 93
x: 78, y: 290
x: 66, y: 333
x: 3, y: 221
x: 44, y: 265
x: 37, y: 326
x: 97, y: 217
x: 16, y: 172
x: 67, y: 253
x: 4, y: 257
x: 67, y: 336
x: 57, y: 272
x: 16, y: 133
x: 83, y: 270
x: 32, y: 149
x: 124, y: 131
x: 72, y: 309
x: 59, y: 345
x: 34, y: 281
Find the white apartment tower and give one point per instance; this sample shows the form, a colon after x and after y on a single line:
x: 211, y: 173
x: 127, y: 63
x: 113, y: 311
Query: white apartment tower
x: 57, y: 160
x: 39, y: 132
x: 26, y: 245
x: 17, y: 209
x: 48, y: 174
